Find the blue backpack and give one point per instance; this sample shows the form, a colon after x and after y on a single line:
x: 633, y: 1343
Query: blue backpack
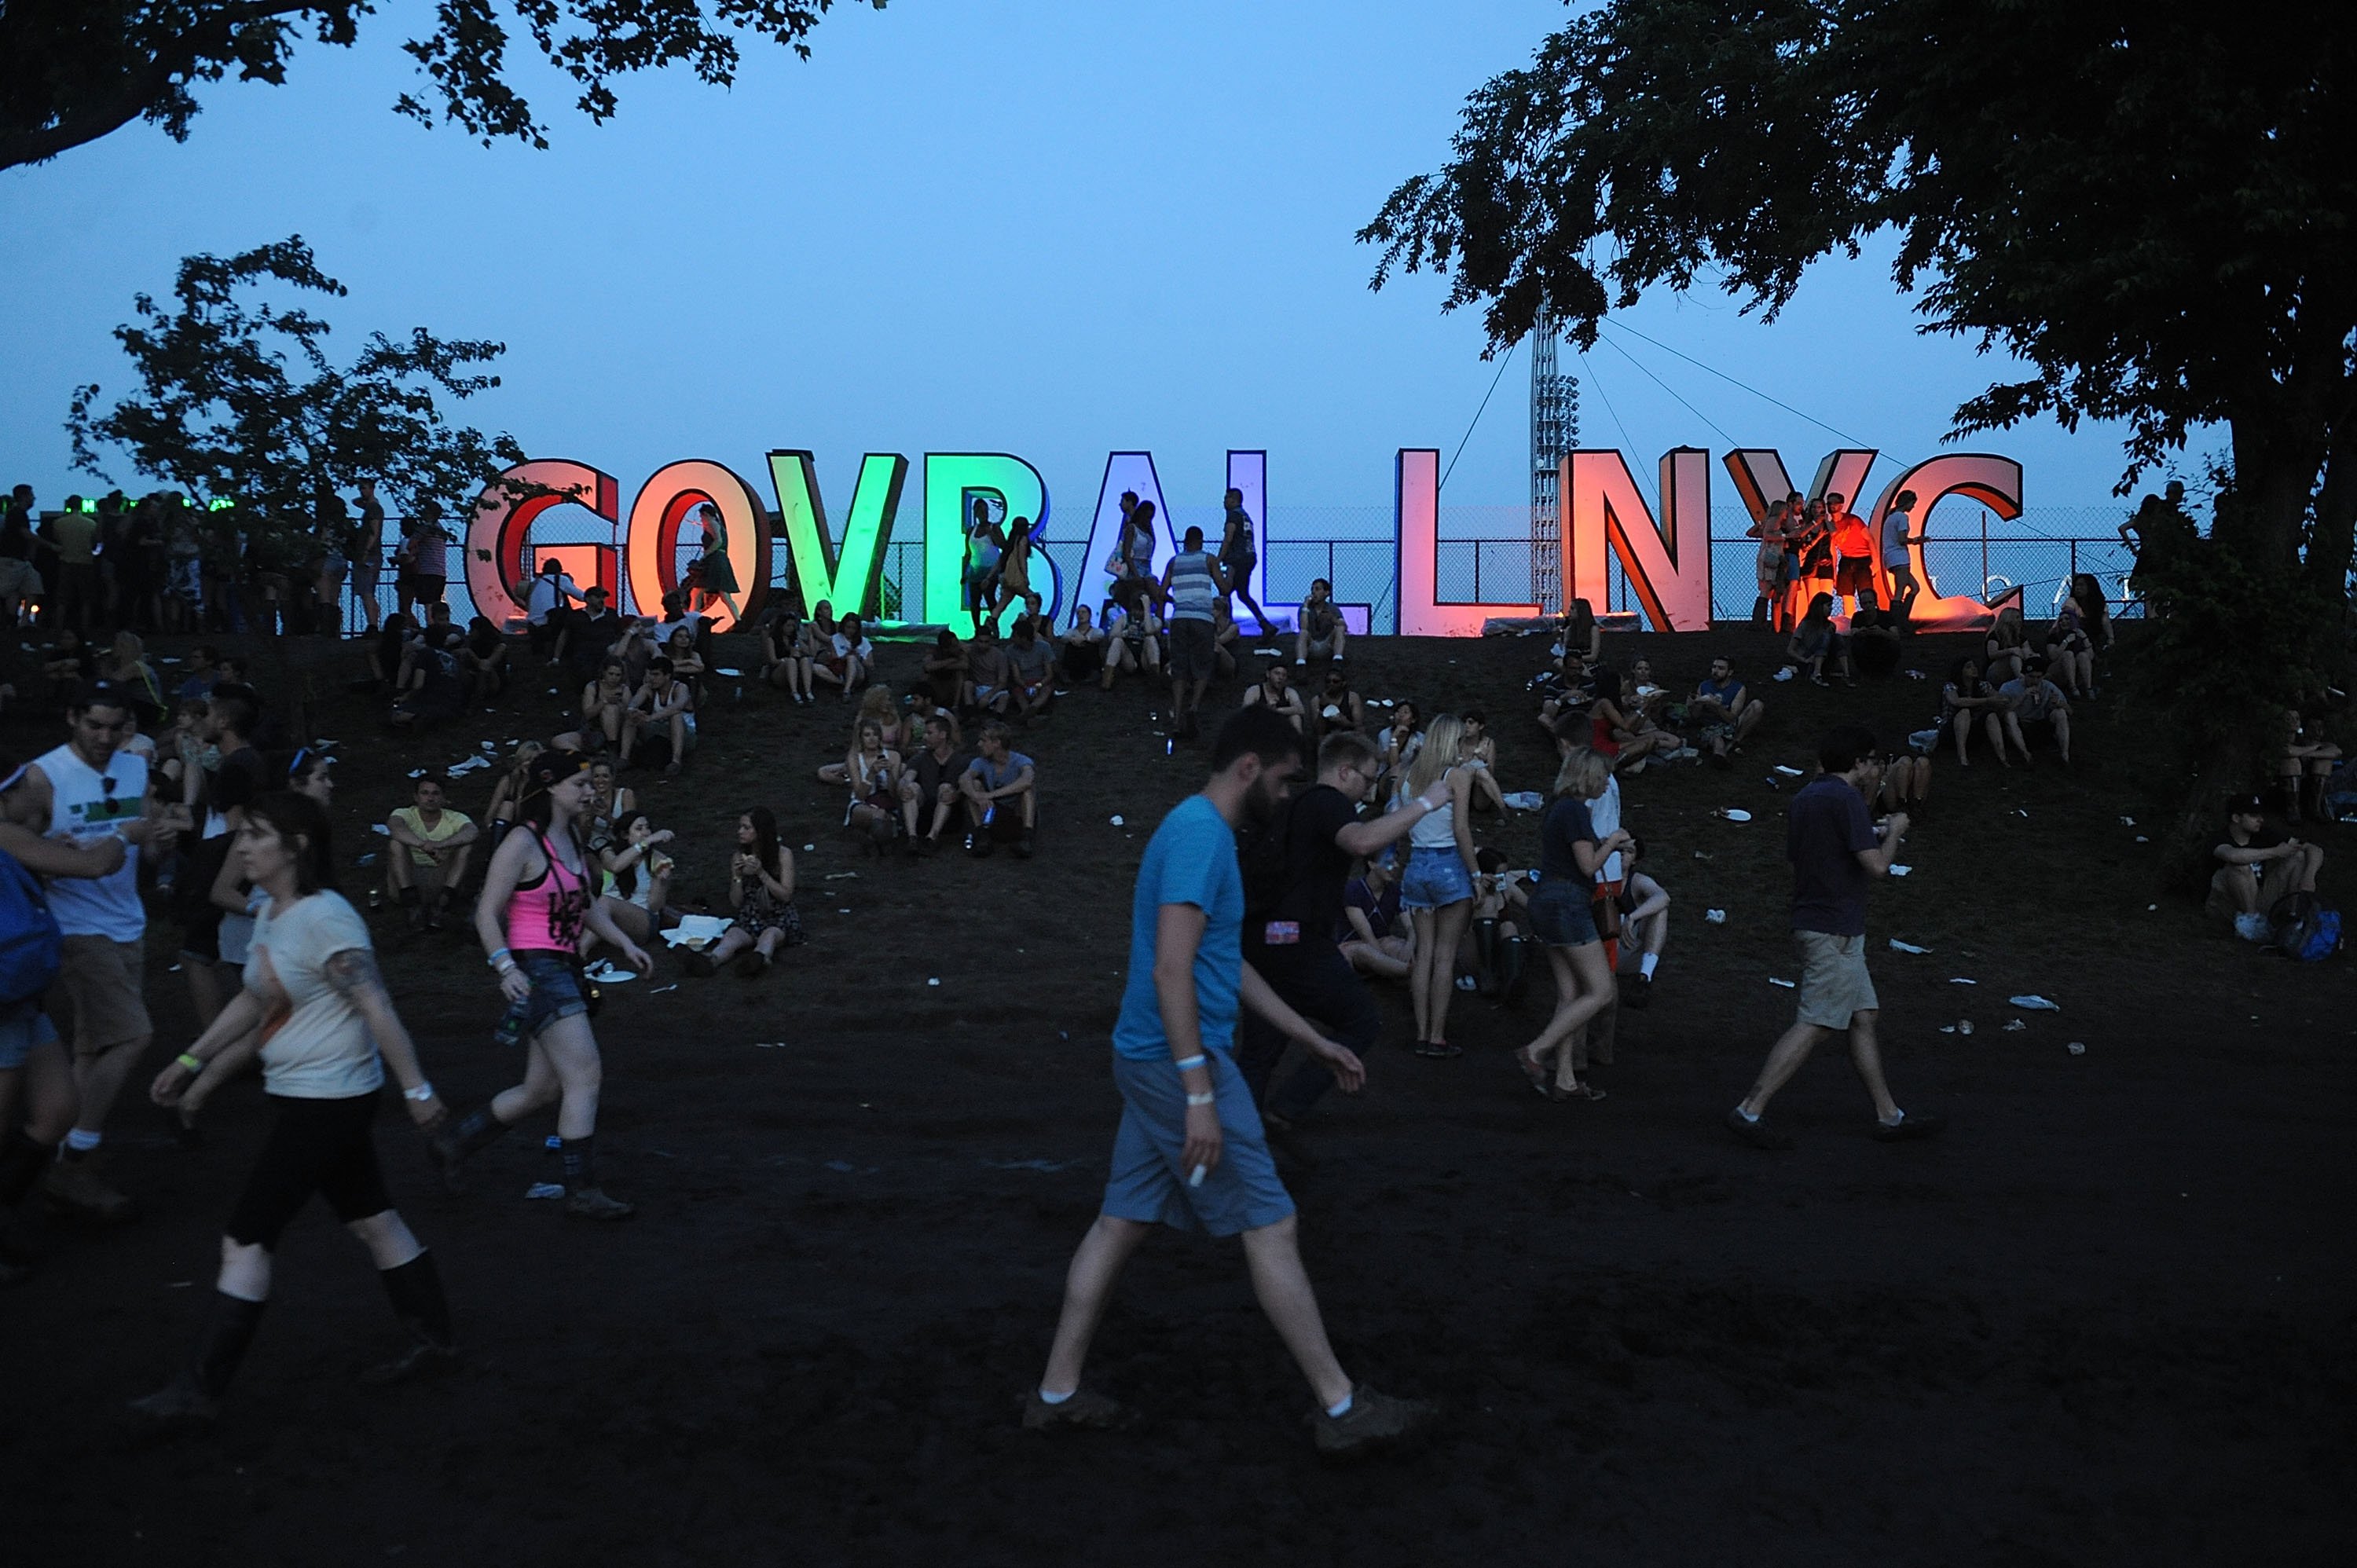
x: 29, y: 940
x: 2307, y: 930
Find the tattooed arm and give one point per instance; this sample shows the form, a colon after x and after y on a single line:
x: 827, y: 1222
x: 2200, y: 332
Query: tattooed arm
x: 353, y: 973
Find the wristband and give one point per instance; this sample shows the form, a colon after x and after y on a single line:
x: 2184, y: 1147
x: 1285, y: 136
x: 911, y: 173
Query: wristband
x: 1198, y: 1059
x: 190, y: 1060
x: 1201, y: 1098
x: 423, y: 1093
x: 496, y: 955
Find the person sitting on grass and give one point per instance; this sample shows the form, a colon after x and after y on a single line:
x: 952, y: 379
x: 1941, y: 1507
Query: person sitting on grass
x: 2007, y: 646
x: 1002, y: 795
x: 686, y: 665
x: 604, y: 702
x: 2081, y: 621
x: 785, y: 659
x: 1337, y: 706
x: 2305, y: 757
x: 589, y: 634
x: 2258, y: 867
x: 431, y: 846
x: 1726, y: 709
x: 929, y: 784
x: 1620, y: 732
x: 1968, y: 703
x: 608, y: 802
x: 1401, y: 740
x: 1644, y: 926
x: 872, y: 772
x: 1815, y: 643
x: 945, y: 671
x: 1906, y: 785
x: 661, y: 716
x: 1478, y: 754
x: 1133, y: 640
x: 1500, y: 927
x: 2031, y: 699
x: 1275, y: 692
x: 922, y: 711
x: 1083, y: 647
x: 989, y: 676
x: 1375, y: 936
x: 761, y: 891
x: 877, y: 708
x: 848, y: 657
x: 1031, y: 670
x: 1873, y: 637
x: 482, y: 662
x: 636, y: 884
x: 1225, y: 639
x: 1323, y: 634
x: 426, y: 689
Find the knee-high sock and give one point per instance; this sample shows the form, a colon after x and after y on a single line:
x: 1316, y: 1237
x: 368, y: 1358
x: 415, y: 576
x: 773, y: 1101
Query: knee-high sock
x: 414, y: 1289
x: 223, y: 1343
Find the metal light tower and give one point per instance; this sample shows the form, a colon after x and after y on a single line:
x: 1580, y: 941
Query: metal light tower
x: 1554, y: 430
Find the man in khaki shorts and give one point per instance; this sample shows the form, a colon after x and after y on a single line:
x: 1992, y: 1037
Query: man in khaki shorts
x: 85, y: 790
x: 1835, y: 855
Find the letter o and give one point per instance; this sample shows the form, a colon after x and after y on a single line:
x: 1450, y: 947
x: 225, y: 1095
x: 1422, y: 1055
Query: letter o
x: 669, y: 498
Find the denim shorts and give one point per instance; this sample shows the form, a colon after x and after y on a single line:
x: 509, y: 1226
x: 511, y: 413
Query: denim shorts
x: 1562, y: 915
x: 555, y: 990
x: 23, y: 1025
x: 1240, y: 1193
x: 1434, y: 878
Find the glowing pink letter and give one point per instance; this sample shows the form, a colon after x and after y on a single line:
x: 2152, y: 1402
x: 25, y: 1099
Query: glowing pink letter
x: 1996, y: 483
x: 1415, y: 524
x: 669, y: 498
x: 1669, y: 573
x: 496, y: 533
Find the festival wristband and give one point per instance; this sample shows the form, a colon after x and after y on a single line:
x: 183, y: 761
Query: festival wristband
x: 193, y: 1062
x: 1201, y: 1098
x: 500, y: 959
x: 1198, y: 1059
x: 422, y: 1093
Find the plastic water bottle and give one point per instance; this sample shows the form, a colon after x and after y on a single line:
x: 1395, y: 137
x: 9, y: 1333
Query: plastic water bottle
x: 509, y: 1031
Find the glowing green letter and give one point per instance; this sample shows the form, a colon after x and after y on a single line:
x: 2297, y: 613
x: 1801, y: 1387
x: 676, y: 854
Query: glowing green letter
x: 847, y: 577
x: 953, y: 482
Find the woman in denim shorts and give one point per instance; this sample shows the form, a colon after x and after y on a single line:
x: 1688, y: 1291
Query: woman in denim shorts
x: 1437, y: 887
x: 538, y: 885
x: 1563, y: 918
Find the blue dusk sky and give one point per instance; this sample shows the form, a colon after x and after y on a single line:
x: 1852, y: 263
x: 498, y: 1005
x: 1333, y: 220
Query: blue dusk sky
x: 1047, y: 227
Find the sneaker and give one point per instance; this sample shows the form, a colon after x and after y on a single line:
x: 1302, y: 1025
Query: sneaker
x: 1023, y: 845
x: 1086, y: 1411
x: 422, y: 1360
x: 1373, y: 1422
x: 978, y: 845
x: 1637, y: 992
x: 1907, y: 1128
x: 73, y: 1186
x: 591, y: 1203
x: 1756, y: 1134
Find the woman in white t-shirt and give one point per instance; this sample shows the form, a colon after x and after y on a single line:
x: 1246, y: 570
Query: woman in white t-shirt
x: 313, y: 993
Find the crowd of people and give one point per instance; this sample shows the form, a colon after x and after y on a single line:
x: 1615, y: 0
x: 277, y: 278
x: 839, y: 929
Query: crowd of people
x: 1268, y: 915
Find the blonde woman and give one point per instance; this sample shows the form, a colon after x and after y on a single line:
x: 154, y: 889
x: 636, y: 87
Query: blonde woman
x: 876, y: 707
x: 1436, y: 889
x: 1571, y: 852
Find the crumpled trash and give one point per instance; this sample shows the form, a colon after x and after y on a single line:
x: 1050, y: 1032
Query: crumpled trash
x: 1789, y: 772
x: 1898, y: 946
x: 1787, y: 984
x: 1786, y: 674
x: 1960, y: 980
x: 2035, y: 1004
x: 1947, y: 1028
x: 1525, y: 800
x: 1916, y: 675
x: 380, y: 829
x: 1116, y: 820
x: 468, y: 766
x: 2127, y: 821
x: 2017, y: 1026
x: 839, y: 875
x: 695, y: 931
x: 1901, y: 870
x: 2077, y: 1048
x: 1964, y: 1025
x: 1732, y: 814
x: 934, y: 980
x: 544, y: 1189
x: 810, y: 848
x: 1715, y: 916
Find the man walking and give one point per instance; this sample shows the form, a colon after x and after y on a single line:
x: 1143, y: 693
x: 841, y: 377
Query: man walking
x: 1191, y: 1154
x: 1835, y: 855
x: 1290, y: 925
x: 85, y: 790
x: 1192, y: 586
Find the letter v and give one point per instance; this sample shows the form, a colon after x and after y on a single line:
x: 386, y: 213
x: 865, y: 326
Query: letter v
x: 849, y: 578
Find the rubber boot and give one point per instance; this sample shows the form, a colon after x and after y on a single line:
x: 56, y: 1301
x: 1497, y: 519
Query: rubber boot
x: 192, y: 1400
x: 415, y: 1288
x: 1514, y: 968
x: 478, y: 1132
x: 1485, y: 956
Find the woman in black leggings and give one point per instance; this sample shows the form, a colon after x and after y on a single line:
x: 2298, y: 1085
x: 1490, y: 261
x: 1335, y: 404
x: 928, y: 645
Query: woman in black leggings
x: 312, y: 992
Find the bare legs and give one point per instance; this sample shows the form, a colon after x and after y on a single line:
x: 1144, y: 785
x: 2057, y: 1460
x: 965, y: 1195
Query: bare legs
x: 1584, y: 987
x: 1794, y: 1049
x: 1432, y: 973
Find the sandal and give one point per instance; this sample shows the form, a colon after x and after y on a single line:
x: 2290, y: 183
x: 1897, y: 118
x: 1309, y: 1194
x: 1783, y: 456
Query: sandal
x: 1439, y: 1050
x: 1536, y: 1072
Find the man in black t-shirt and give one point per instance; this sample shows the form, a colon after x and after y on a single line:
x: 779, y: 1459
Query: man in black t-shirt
x: 1292, y: 892
x: 2258, y: 865
x: 929, y: 787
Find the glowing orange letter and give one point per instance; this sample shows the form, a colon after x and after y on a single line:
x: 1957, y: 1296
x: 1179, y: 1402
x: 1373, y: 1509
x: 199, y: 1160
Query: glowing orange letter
x: 665, y: 502
x: 1669, y: 573
x: 496, y: 533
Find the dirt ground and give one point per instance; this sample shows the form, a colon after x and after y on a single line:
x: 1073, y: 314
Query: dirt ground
x: 2106, y: 1318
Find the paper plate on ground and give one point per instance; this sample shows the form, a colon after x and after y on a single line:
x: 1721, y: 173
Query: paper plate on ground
x: 695, y: 931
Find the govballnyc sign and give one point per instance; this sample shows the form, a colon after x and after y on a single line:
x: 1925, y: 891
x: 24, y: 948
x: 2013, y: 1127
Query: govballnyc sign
x: 1665, y: 559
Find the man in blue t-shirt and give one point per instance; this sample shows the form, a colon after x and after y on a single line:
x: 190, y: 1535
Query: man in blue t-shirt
x: 1835, y: 855
x: 1191, y: 1152
x: 1002, y: 794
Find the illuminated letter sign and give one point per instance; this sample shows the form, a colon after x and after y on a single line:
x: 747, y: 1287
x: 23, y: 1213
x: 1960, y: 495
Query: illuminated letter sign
x: 953, y: 482
x: 496, y: 533
x: 1670, y: 575
x: 847, y: 577
x: 1124, y: 472
x: 1416, y: 523
x: 670, y: 496
x: 1996, y: 483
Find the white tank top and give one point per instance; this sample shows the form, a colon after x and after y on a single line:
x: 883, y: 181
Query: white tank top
x: 82, y: 808
x: 1435, y: 830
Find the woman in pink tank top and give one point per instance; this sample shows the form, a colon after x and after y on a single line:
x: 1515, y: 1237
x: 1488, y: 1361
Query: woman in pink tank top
x: 535, y: 906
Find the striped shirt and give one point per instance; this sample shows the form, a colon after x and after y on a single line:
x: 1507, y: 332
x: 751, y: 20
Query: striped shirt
x: 1193, y: 590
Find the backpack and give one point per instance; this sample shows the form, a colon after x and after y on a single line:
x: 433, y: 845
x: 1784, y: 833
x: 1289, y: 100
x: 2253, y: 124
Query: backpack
x: 2305, y: 929
x: 30, y: 944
